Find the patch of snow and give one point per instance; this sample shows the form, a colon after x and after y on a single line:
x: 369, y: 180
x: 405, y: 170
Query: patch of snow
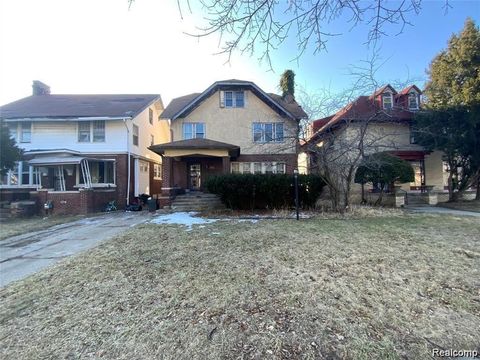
x: 188, y: 219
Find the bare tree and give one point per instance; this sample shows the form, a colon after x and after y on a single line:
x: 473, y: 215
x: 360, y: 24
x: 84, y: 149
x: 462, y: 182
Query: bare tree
x: 261, y: 26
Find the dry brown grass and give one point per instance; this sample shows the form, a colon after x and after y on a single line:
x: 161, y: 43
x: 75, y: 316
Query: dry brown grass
x: 375, y: 288
x: 18, y: 226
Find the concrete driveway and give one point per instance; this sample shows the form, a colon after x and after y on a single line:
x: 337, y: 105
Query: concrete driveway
x: 26, y: 254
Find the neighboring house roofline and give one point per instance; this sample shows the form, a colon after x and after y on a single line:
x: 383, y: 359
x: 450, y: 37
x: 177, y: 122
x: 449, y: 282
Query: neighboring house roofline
x: 78, y: 107
x: 193, y: 103
x: 363, y: 108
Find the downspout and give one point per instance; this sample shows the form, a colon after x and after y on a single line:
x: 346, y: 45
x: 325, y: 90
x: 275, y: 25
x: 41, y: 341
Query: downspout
x: 128, y: 161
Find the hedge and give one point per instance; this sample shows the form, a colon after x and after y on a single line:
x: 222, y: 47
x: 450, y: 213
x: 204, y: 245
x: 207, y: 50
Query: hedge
x: 275, y: 191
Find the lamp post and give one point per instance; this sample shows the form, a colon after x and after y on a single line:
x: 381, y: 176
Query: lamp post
x: 295, y: 176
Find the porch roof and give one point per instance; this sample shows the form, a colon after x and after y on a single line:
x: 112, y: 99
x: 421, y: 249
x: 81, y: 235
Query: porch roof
x: 196, y: 146
x: 60, y: 160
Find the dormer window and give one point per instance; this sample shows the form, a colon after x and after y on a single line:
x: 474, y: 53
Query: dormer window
x: 387, y: 101
x: 413, y: 101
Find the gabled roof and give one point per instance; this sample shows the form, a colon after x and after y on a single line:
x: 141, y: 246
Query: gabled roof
x: 409, y: 89
x: 182, y: 106
x: 77, y: 106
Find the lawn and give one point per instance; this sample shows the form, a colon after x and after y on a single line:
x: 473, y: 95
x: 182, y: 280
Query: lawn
x: 392, y: 287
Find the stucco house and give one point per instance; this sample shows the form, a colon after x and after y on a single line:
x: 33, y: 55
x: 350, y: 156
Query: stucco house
x: 386, y: 116
x: 82, y: 151
x: 233, y: 126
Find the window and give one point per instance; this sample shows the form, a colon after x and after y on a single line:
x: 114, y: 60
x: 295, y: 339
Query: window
x: 135, y: 135
x: 150, y: 116
x: 235, y: 167
x: 412, y: 101
x: 268, y: 132
x: 228, y: 99
x: 157, y: 171
x: 144, y: 166
x: 91, y: 131
x: 193, y: 131
x: 239, y: 99
x: 258, y: 167
x: 25, y: 132
x: 84, y: 131
x: 234, y: 99
x: 101, y: 172
x: 98, y: 131
x: 152, y: 140
x: 12, y: 128
x: 387, y: 100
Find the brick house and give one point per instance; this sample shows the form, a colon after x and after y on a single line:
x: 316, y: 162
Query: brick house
x: 231, y: 127
x: 389, y: 115
x: 81, y: 151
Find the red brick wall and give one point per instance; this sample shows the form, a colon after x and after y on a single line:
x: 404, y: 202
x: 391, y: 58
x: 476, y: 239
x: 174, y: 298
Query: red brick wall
x: 73, y: 202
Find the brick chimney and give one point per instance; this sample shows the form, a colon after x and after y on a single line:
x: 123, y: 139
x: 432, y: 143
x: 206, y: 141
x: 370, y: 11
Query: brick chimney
x: 39, y: 88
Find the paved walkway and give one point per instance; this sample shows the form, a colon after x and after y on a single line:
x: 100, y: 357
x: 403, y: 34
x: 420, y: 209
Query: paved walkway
x: 440, y: 210
x: 26, y: 254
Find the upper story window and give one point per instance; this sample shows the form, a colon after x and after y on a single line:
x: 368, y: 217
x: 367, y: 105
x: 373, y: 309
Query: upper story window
x: 387, y: 101
x: 12, y: 128
x: 135, y: 134
x: 233, y: 99
x: 25, y: 132
x: 84, y: 131
x: 91, y: 131
x: 193, y: 131
x: 152, y: 140
x: 98, y: 131
x: 268, y: 132
x: 150, y: 116
x: 413, y: 101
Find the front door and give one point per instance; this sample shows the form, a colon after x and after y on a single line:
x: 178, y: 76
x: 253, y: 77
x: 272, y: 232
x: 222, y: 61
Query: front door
x: 194, y: 176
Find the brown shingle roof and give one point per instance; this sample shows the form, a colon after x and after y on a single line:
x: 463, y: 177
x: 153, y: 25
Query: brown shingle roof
x: 177, y: 104
x: 194, y: 144
x: 73, y: 106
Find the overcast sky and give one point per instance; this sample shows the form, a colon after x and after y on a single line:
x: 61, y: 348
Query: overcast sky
x: 92, y: 46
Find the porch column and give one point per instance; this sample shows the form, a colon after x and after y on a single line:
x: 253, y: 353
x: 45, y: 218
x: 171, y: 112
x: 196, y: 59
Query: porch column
x: 167, y: 175
x: 226, y: 164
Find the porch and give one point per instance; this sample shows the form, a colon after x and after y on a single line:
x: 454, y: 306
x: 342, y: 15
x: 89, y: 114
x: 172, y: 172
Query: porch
x: 187, y: 164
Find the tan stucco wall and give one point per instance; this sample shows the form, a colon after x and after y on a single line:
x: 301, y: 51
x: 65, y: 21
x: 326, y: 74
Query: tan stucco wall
x: 434, y: 173
x: 234, y: 125
x: 384, y: 137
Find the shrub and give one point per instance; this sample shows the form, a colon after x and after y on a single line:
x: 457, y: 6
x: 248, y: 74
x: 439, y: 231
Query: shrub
x: 275, y: 191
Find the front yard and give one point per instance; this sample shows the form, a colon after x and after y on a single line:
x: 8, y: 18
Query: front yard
x: 392, y: 287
